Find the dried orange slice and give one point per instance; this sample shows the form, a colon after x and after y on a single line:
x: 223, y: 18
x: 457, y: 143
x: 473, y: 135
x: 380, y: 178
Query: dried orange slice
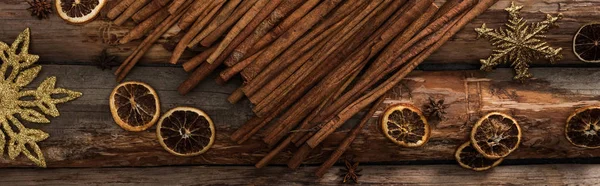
x: 586, y: 43
x: 405, y: 125
x: 496, y: 135
x: 134, y: 106
x: 467, y: 157
x: 583, y: 127
x: 185, y: 131
x: 79, y: 11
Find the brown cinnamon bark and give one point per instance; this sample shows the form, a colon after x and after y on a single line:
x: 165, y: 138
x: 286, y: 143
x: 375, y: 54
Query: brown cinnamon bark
x: 223, y: 14
x: 198, y: 59
x: 432, y: 43
x: 283, y: 27
x: 253, y: 16
x: 119, y: 9
x: 291, y: 36
x: 197, y: 9
x: 379, y: 67
x: 347, y: 140
x: 288, y: 62
x: 235, y: 16
x: 232, y: 71
x: 140, y: 30
x: 250, y: 128
x: 274, y: 18
x: 206, y: 17
x: 132, y: 9
x: 310, y: 101
x: 176, y: 5
x: 137, y: 54
x: 149, y: 10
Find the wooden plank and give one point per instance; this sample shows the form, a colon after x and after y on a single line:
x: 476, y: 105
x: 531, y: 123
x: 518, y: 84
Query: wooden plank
x: 566, y: 174
x: 86, y: 136
x: 60, y: 43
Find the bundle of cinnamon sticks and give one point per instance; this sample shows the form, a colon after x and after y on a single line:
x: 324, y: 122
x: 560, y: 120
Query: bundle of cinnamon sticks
x: 313, y: 64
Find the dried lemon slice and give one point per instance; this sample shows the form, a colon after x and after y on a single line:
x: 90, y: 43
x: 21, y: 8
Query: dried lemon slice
x: 185, y: 131
x: 467, y: 157
x: 583, y: 127
x: 134, y: 106
x: 586, y: 43
x: 405, y: 125
x: 79, y: 11
x: 496, y: 135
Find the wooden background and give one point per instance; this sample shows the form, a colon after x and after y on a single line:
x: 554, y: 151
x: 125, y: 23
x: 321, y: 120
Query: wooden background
x: 87, y: 147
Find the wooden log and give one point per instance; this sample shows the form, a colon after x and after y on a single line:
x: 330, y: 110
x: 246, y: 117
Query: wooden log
x: 564, y: 174
x: 84, y: 135
x: 60, y: 43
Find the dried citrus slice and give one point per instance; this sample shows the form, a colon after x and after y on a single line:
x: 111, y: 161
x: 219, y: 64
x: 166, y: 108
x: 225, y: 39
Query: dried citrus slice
x: 586, y: 43
x: 405, y: 125
x: 469, y: 158
x: 134, y: 106
x: 79, y: 11
x: 496, y: 135
x: 185, y: 131
x: 583, y: 127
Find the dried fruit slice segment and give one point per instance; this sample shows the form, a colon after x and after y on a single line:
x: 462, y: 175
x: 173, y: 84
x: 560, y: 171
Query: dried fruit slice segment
x: 405, y: 125
x: 79, y: 11
x: 496, y: 135
x: 134, y: 106
x: 583, y: 127
x: 469, y: 158
x: 185, y: 131
x: 586, y: 43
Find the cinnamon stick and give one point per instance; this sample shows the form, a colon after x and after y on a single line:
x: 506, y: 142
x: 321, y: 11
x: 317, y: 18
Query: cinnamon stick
x: 235, y: 16
x: 268, y: 23
x: 292, y: 35
x: 198, y: 59
x: 176, y: 5
x: 149, y: 10
x: 299, y: 156
x: 195, y: 29
x: 119, y: 9
x: 132, y: 9
x: 253, y: 15
x: 301, y: 109
x: 432, y: 43
x: 141, y: 29
x: 347, y: 140
x: 200, y: 74
x: 137, y: 54
x: 231, y: 71
x: 283, y: 27
x: 224, y: 13
x: 379, y: 67
x: 197, y: 8
x: 250, y: 128
x: 291, y: 57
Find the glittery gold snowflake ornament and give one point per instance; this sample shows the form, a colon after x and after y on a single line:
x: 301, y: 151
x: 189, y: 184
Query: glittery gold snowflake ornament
x: 520, y: 43
x: 17, y: 71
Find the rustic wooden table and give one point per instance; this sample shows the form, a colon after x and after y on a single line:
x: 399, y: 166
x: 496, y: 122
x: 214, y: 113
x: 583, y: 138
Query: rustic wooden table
x: 87, y: 147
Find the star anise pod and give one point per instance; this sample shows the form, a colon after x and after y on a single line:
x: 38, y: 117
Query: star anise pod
x: 40, y: 8
x: 351, y: 171
x: 105, y: 61
x: 435, y: 109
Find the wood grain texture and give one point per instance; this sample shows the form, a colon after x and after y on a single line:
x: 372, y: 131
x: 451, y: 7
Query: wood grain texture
x: 61, y: 43
x: 566, y: 174
x: 86, y: 136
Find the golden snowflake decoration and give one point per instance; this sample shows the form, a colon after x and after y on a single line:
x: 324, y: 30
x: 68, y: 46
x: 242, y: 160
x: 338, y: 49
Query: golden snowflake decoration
x: 16, y: 72
x: 520, y: 43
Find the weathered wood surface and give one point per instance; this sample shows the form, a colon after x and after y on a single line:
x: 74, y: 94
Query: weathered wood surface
x: 566, y: 174
x: 86, y: 136
x: 60, y: 43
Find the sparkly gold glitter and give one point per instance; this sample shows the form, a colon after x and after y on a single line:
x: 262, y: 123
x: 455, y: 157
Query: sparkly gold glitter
x: 16, y: 72
x: 520, y: 43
